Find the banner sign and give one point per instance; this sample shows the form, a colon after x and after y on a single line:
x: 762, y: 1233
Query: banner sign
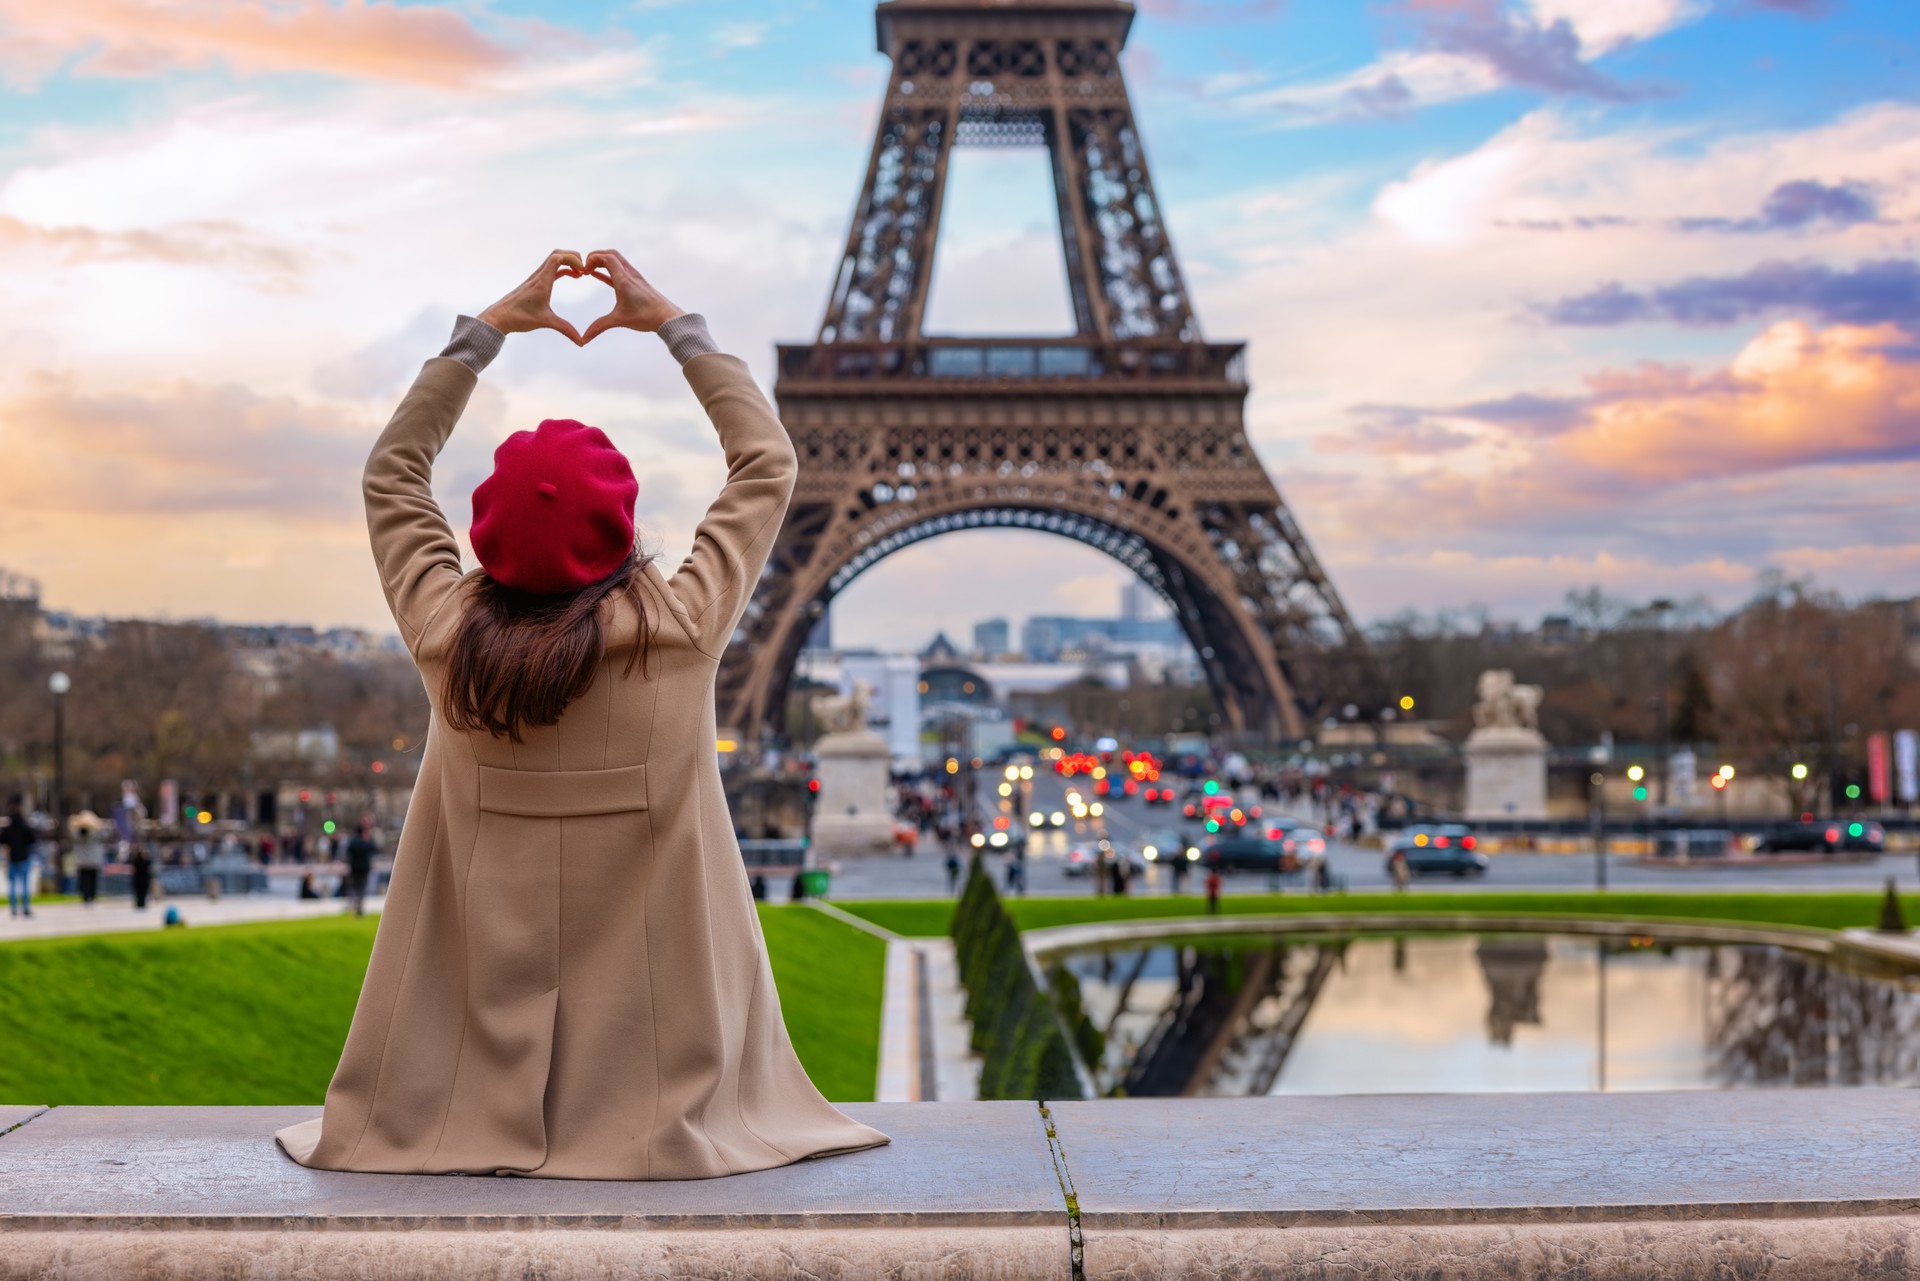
x: 1906, y: 762
x: 1877, y: 769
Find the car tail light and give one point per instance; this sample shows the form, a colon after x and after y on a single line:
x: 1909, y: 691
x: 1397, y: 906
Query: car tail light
x: 1440, y: 842
x: 1255, y: 811
x: 1189, y: 810
x: 1467, y: 842
x: 1833, y: 835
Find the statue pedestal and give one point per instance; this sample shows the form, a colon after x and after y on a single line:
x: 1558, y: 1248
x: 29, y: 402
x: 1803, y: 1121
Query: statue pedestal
x: 852, y: 816
x: 1506, y: 773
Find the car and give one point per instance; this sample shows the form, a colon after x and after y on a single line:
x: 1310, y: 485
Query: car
x: 1250, y: 854
x: 1167, y: 847
x: 1824, y: 837
x: 1082, y: 859
x: 1449, y: 848
x: 1157, y: 795
x: 1302, y: 840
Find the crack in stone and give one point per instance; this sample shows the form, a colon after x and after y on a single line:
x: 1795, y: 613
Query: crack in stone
x: 1076, y: 1242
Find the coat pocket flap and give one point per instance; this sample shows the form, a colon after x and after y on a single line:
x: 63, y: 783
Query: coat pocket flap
x: 566, y: 793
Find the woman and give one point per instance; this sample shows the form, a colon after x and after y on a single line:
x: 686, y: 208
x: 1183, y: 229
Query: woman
x: 569, y: 979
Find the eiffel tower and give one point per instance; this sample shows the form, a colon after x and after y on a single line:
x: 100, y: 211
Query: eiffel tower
x: 1128, y: 436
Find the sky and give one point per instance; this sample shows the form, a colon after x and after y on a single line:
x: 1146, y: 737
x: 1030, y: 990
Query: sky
x: 1538, y: 294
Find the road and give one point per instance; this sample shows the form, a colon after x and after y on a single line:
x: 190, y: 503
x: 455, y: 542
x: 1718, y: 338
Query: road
x: 1130, y: 823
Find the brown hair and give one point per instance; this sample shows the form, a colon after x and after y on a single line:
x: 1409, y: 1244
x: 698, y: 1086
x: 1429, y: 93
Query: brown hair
x: 518, y: 660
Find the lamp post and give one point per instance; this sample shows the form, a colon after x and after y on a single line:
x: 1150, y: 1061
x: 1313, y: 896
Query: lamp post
x: 1661, y: 608
x: 58, y: 684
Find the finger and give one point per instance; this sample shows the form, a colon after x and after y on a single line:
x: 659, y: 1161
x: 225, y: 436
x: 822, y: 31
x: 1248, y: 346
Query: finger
x: 601, y: 274
x: 598, y: 327
x: 564, y: 258
x: 556, y: 322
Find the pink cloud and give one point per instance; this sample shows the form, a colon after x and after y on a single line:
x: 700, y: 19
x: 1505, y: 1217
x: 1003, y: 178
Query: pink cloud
x: 421, y: 44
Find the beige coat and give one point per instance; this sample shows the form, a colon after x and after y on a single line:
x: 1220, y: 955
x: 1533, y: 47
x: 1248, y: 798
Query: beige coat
x: 569, y: 978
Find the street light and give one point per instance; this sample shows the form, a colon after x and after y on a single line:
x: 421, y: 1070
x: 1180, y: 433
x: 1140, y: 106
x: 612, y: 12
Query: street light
x: 58, y: 684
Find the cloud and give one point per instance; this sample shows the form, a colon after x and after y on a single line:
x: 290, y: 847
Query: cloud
x: 1878, y: 292
x: 1794, y: 397
x: 422, y: 44
x: 1213, y: 11
x: 212, y: 242
x: 1463, y: 48
x: 1547, y: 57
x: 179, y: 447
x: 1799, y: 205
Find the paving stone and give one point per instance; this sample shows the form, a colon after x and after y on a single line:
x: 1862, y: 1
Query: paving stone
x: 1507, y: 1158
x: 983, y: 1164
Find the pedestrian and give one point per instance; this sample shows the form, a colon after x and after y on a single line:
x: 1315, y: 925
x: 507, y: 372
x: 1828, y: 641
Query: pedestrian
x: 18, y: 837
x: 360, y: 851
x: 798, y: 890
x: 569, y: 979
x: 309, y: 885
x: 89, y: 855
x: 142, y: 867
x: 953, y: 871
x: 1397, y: 868
x: 1011, y: 879
x: 1213, y: 891
x: 1179, y: 870
x: 758, y: 888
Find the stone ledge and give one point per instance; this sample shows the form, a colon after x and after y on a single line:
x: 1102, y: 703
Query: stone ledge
x: 1813, y: 1184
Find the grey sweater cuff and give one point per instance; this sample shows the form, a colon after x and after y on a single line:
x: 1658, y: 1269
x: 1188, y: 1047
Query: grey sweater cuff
x: 686, y: 336
x: 474, y: 343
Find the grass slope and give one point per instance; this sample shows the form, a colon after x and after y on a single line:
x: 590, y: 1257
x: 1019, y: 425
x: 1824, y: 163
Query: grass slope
x: 257, y: 1013
x: 927, y: 918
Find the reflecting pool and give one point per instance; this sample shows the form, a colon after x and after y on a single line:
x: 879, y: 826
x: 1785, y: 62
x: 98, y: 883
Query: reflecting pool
x: 1437, y: 1012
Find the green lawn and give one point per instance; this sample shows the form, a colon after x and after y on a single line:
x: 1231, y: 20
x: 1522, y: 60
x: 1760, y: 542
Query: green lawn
x: 257, y: 1013
x: 926, y: 918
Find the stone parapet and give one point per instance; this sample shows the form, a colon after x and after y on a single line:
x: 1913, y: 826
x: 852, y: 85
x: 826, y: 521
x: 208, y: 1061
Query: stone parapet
x: 1811, y: 1184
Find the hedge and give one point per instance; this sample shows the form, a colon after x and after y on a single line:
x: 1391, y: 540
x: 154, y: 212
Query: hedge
x: 1023, y: 1052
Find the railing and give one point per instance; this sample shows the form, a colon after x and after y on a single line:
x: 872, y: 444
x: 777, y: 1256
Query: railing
x: 1016, y: 360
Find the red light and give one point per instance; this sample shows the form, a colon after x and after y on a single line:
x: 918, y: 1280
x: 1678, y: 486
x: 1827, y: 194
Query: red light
x: 1001, y: 822
x: 813, y: 785
x: 1807, y: 817
x: 305, y: 797
x: 1833, y: 835
x: 1719, y: 783
x: 1058, y: 734
x: 1467, y: 842
x: 1439, y: 842
x: 1255, y: 811
x: 379, y: 767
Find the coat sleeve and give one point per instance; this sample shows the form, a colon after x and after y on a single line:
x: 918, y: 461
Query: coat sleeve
x: 715, y: 582
x: 413, y: 546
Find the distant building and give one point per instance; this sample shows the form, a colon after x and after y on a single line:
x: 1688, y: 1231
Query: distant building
x: 821, y: 637
x: 1045, y: 638
x: 940, y: 649
x: 992, y: 639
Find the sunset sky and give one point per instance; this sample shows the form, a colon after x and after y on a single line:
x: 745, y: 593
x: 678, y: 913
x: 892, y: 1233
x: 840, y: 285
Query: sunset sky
x: 1538, y: 295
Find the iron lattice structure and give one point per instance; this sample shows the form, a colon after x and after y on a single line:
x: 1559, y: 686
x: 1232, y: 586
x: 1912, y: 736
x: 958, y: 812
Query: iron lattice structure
x: 1128, y: 436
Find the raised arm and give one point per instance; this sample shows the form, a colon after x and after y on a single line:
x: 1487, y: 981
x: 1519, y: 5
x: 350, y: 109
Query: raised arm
x: 731, y: 546
x: 414, y: 547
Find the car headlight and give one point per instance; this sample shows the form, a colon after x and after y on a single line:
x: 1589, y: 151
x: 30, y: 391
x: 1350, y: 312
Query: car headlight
x: 1152, y: 854
x: 1193, y: 854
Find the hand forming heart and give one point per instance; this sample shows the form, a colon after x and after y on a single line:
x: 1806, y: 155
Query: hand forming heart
x: 636, y: 303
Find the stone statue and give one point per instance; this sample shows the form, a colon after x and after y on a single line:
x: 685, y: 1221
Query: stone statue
x: 843, y: 713
x: 1506, y: 756
x: 1505, y: 705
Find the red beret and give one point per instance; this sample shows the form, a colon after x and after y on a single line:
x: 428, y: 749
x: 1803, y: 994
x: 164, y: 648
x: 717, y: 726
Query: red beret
x: 557, y: 513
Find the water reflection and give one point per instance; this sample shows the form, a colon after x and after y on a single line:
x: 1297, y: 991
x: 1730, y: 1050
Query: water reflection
x: 1496, y: 1012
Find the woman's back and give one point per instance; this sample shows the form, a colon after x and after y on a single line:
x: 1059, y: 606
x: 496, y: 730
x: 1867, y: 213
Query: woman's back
x: 569, y: 978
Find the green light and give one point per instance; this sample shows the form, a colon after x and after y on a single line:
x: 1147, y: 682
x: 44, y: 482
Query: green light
x: 1213, y: 825
x: 327, y: 827
x: 1853, y: 791
x: 1211, y: 787
x: 1856, y: 829
x: 1639, y: 793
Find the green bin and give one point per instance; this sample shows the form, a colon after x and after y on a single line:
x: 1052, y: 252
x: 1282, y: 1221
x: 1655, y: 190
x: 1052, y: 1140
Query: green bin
x: 814, y: 882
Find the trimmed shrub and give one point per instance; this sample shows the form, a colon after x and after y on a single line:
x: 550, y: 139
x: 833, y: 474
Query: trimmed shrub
x: 1024, y: 1053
